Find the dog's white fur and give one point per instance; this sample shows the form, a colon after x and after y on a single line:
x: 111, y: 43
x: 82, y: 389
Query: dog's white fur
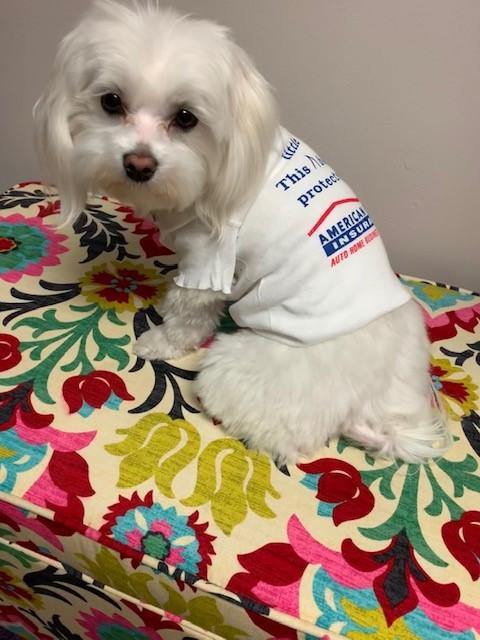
x: 372, y: 385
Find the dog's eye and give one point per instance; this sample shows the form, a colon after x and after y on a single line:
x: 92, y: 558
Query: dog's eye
x: 185, y: 119
x: 112, y: 104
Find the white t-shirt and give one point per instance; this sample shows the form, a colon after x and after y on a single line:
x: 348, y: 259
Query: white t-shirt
x: 302, y: 264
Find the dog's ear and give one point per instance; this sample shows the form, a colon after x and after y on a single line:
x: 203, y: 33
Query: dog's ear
x: 59, y: 104
x: 252, y: 123
x: 53, y: 136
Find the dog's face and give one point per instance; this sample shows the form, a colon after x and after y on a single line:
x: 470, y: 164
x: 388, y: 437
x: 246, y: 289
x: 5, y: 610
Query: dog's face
x: 154, y: 109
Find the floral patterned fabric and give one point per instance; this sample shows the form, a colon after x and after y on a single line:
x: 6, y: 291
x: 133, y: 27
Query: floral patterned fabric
x: 125, y: 513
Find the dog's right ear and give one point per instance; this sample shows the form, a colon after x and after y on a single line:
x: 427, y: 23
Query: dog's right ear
x: 253, y: 121
x: 53, y: 139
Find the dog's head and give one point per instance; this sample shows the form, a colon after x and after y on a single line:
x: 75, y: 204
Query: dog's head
x: 153, y: 108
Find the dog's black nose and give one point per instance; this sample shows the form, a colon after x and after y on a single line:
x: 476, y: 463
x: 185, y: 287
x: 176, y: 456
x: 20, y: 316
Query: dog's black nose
x: 139, y: 167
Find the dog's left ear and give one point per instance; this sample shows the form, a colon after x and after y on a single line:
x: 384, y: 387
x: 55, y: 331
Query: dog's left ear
x: 252, y: 125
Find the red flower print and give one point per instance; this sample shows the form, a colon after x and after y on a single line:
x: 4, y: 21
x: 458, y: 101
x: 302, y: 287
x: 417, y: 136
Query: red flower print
x: 61, y: 488
x: 161, y: 533
x: 446, y: 325
x: 51, y: 208
x: 27, y: 246
x: 94, y: 390
x: 123, y: 286
x: 273, y: 575
x: 341, y: 484
x: 277, y: 565
x: 398, y: 576
x: 150, y: 240
x: 9, y: 352
x: 458, y: 390
x: 16, y: 406
x: 462, y: 538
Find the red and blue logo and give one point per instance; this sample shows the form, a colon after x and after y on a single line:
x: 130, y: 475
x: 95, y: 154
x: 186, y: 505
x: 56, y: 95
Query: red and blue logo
x: 345, y: 231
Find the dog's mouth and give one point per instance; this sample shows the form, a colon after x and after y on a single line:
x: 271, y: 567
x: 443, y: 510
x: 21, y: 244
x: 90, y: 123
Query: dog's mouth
x: 158, y: 194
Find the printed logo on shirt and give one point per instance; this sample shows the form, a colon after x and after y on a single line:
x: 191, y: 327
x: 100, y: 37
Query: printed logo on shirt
x: 307, y: 177
x: 341, y: 234
x: 346, y: 236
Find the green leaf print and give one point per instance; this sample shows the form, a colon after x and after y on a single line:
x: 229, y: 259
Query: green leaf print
x: 419, y: 481
x: 54, y: 339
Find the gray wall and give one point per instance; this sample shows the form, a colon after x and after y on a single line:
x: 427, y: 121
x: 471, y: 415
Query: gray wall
x: 387, y: 92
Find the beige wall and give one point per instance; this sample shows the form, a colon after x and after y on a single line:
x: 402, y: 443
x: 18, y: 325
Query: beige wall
x: 387, y: 92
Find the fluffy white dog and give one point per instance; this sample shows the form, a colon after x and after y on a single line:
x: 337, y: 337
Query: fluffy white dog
x: 167, y: 113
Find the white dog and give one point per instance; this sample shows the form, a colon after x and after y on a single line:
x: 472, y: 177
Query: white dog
x: 167, y: 113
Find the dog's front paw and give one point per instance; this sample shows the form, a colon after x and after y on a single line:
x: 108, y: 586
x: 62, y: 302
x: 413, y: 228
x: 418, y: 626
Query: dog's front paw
x: 154, y: 345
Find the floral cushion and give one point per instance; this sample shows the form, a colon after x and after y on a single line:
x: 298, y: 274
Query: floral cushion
x: 126, y: 513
